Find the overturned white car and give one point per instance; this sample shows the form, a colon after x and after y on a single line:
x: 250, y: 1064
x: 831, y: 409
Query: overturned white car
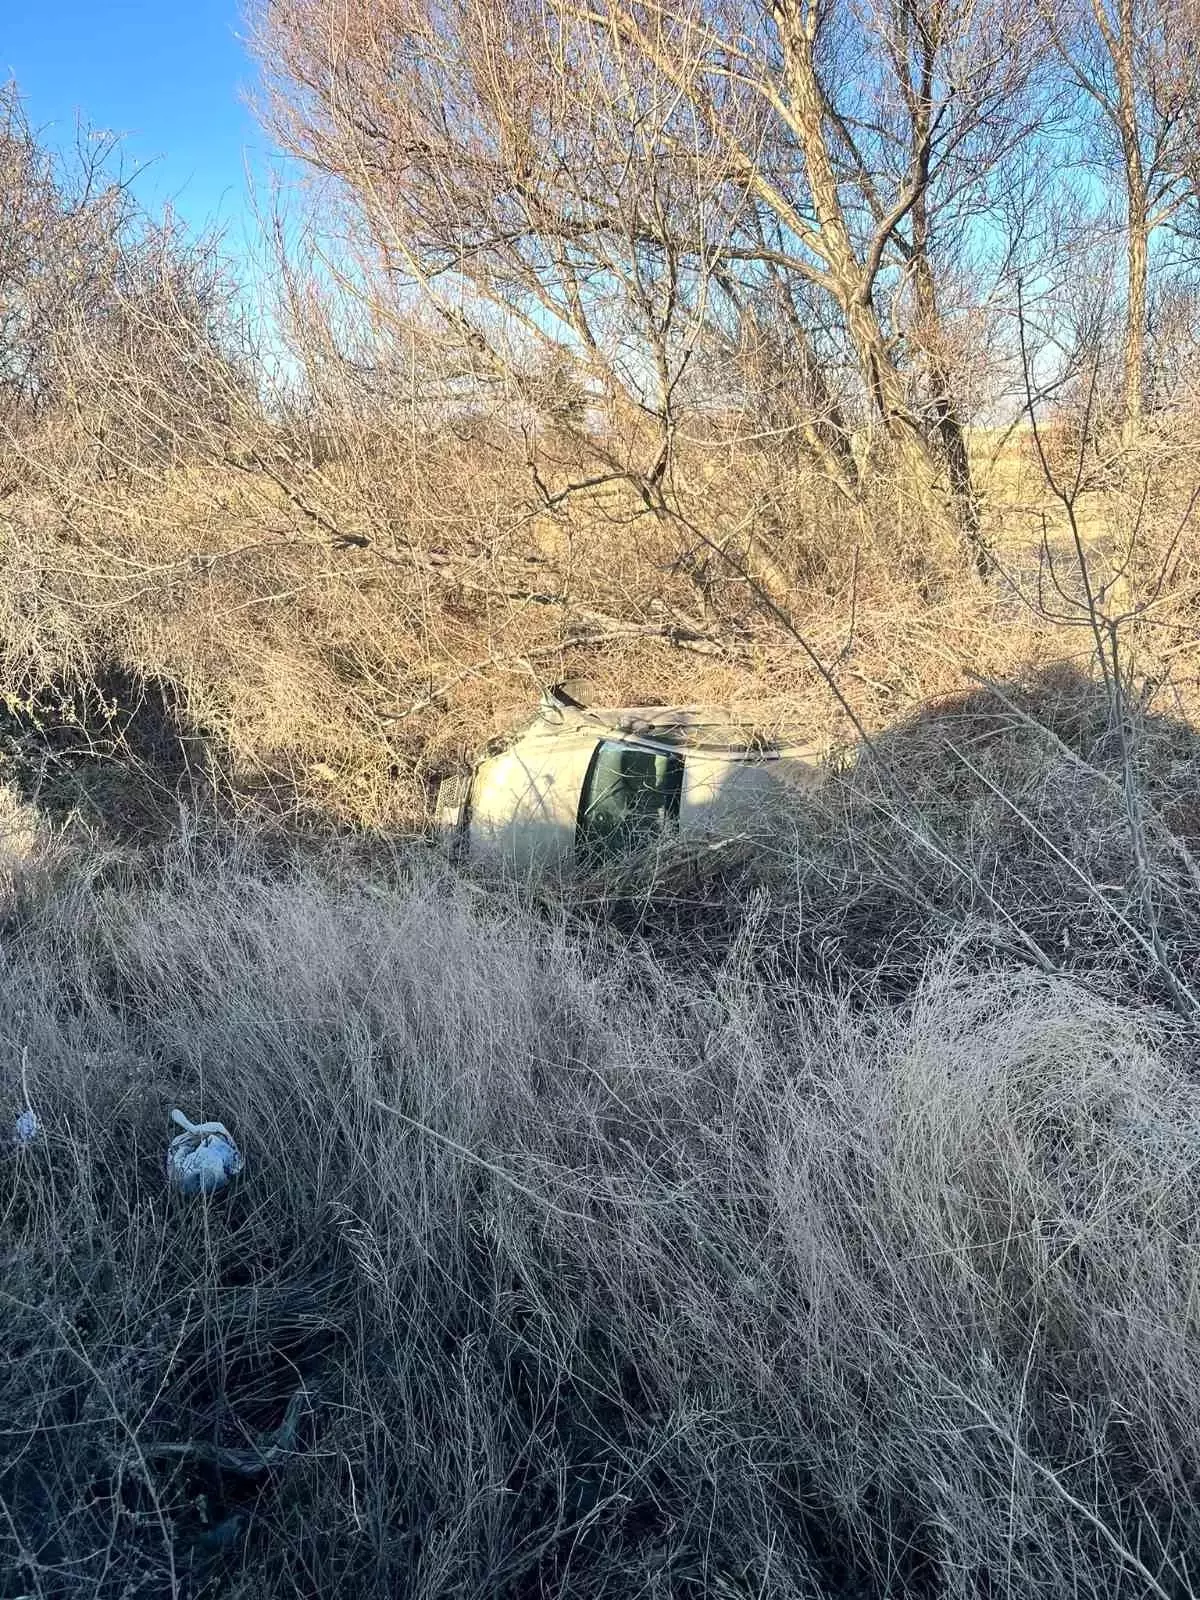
x: 580, y: 784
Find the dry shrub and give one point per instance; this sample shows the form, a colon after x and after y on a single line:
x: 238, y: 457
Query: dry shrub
x: 349, y: 573
x: 123, y: 347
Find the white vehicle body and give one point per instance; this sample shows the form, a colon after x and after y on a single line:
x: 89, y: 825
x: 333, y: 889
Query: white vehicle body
x: 580, y: 782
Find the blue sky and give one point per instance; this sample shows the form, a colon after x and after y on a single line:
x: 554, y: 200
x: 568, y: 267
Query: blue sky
x: 169, y: 74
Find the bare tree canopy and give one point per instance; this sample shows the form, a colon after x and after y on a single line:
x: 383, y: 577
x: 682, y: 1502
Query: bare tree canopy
x: 647, y: 189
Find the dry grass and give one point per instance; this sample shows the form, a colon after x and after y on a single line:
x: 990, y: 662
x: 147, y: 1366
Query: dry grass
x: 816, y: 1222
x: 596, y: 1276
x: 996, y: 822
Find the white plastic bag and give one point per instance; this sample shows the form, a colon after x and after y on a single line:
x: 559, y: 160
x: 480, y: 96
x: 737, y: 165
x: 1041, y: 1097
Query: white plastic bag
x: 25, y: 1129
x: 203, y: 1158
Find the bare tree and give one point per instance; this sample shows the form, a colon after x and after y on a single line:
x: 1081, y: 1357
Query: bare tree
x: 1133, y: 63
x: 621, y: 183
x: 921, y: 160
x: 118, y: 347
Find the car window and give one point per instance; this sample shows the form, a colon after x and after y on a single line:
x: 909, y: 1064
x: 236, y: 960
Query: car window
x: 630, y: 797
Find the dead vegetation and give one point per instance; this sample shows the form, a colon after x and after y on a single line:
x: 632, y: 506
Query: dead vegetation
x: 628, y: 434
x: 853, y: 1258
x: 818, y: 1221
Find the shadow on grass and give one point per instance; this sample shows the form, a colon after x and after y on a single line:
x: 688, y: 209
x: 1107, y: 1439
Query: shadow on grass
x: 1000, y: 819
x: 120, y: 752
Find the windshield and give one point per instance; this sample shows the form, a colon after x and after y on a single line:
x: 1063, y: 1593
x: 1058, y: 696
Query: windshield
x: 630, y: 798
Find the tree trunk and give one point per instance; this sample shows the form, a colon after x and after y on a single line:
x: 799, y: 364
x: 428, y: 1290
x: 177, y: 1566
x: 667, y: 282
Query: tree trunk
x: 918, y: 464
x: 1121, y: 43
x: 1135, y: 314
x: 847, y: 275
x: 825, y: 433
x: 947, y: 419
